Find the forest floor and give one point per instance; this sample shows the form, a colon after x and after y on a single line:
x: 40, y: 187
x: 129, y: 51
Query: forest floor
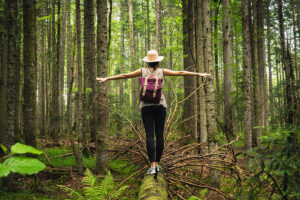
x: 45, y: 185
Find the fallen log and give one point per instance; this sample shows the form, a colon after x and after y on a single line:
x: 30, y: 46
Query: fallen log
x: 153, y: 189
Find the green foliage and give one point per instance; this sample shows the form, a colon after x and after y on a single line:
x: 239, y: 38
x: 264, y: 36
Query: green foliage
x: 14, y: 162
x: 93, y: 190
x: 277, y: 165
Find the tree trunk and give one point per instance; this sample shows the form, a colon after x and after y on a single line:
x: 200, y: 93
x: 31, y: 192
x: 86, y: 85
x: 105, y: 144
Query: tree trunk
x: 148, y: 26
x: 261, y: 62
x: 247, y: 76
x: 209, y: 90
x: 190, y: 105
x: 55, y: 79
x: 89, y: 63
x: 132, y: 54
x: 62, y: 66
x: 158, y: 25
x: 216, y: 61
x: 153, y: 189
x: 257, y: 115
x: 70, y: 61
x: 29, y: 114
x: 200, y: 63
x: 102, y: 112
x: 227, y: 59
x: 269, y: 61
x: 79, y: 91
x: 121, y: 90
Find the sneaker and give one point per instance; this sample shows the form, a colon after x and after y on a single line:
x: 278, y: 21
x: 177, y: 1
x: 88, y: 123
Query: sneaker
x: 158, y: 168
x: 151, y: 170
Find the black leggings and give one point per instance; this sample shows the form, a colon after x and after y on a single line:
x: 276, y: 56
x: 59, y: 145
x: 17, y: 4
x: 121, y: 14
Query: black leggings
x: 154, y: 115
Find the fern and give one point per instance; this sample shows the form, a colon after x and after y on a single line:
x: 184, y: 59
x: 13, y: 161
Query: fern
x: 92, y: 190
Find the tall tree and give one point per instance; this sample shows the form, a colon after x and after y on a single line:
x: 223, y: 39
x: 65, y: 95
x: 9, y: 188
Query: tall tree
x: 200, y: 63
x: 261, y: 61
x: 227, y: 59
x: 79, y: 82
x: 190, y: 105
x: 209, y: 90
x: 247, y: 76
x: 257, y: 114
x: 132, y: 53
x: 269, y: 59
x: 102, y: 112
x: 122, y: 41
x: 148, y: 25
x: 29, y: 113
x: 61, y: 62
x: 89, y: 62
x: 158, y: 25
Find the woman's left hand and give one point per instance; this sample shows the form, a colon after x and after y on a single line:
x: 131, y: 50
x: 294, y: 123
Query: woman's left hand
x: 204, y: 74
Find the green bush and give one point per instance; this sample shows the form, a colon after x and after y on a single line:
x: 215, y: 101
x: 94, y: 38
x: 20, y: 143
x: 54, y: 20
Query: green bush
x: 17, y: 162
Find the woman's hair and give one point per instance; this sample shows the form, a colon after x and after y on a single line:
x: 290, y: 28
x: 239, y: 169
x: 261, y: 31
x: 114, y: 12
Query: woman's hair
x: 153, y: 64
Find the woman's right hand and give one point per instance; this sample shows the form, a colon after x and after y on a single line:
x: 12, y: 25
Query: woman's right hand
x: 101, y: 79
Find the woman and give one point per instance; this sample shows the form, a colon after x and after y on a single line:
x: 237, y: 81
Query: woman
x: 153, y: 115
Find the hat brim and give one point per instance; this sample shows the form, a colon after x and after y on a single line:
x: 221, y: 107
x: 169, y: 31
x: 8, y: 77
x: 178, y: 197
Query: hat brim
x: 160, y: 58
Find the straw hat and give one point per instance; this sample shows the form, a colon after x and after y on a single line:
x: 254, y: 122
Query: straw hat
x: 152, y: 56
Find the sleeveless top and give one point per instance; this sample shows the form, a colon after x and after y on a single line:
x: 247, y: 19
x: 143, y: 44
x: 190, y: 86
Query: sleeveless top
x: 159, y: 73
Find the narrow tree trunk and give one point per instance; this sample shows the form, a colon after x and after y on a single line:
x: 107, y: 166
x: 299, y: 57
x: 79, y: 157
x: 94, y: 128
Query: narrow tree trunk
x: 247, y: 76
x: 257, y: 115
x: 269, y: 61
x: 227, y: 59
x: 102, y: 112
x: 200, y: 63
x: 148, y: 25
x: 190, y: 105
x: 89, y: 63
x: 261, y: 62
x: 62, y: 66
x: 132, y: 54
x: 121, y: 91
x: 70, y: 61
x: 29, y: 114
x: 216, y: 61
x: 209, y: 90
x: 158, y: 25
x: 79, y: 91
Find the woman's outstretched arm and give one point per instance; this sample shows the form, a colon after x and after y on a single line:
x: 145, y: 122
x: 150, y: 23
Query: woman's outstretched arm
x: 135, y: 73
x: 168, y: 72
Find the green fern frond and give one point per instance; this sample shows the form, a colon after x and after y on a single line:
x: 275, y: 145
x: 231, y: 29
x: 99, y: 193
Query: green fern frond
x: 72, y: 193
x: 118, y: 192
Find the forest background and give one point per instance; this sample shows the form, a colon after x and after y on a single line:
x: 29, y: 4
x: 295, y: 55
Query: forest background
x: 235, y: 133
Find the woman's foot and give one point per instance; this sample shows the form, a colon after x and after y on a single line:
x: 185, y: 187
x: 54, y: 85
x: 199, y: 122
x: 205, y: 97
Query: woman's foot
x: 151, y: 170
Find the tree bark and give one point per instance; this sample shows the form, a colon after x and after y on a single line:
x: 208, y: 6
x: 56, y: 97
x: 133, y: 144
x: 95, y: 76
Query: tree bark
x: 62, y: 65
x: 257, y: 115
x: 148, y: 26
x: 227, y: 59
x: 79, y: 91
x: 201, y: 68
x: 55, y: 79
x: 271, y: 100
x: 247, y: 76
x: 209, y: 90
x: 190, y: 105
x: 89, y: 63
x: 153, y: 189
x: 158, y: 25
x: 122, y: 41
x: 102, y: 112
x: 29, y: 114
x: 132, y: 54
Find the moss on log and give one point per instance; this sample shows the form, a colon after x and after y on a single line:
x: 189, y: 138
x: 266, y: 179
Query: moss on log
x: 153, y: 189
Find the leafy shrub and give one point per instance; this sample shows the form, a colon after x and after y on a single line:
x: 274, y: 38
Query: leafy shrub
x: 17, y: 162
x: 105, y: 190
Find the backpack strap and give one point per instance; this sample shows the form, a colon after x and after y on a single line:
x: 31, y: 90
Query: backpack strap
x: 145, y: 86
x: 155, y: 87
